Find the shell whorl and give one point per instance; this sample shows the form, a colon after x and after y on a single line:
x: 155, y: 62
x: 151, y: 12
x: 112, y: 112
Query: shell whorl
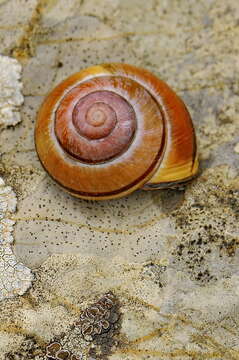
x: 95, y: 125
x: 109, y: 129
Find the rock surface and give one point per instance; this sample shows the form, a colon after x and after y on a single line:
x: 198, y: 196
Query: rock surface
x: 170, y: 257
x: 15, y: 278
x: 163, y: 312
x: 10, y: 91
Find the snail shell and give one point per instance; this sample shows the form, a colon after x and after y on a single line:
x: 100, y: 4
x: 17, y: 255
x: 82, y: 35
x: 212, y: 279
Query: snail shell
x: 113, y: 128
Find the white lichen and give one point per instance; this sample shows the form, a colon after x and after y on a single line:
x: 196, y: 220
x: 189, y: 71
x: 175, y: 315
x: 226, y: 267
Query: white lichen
x: 15, y: 278
x: 10, y: 91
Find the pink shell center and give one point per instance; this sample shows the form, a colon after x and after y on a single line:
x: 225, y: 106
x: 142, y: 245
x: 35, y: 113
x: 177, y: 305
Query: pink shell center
x: 93, y: 119
x: 95, y: 116
x: 96, y: 127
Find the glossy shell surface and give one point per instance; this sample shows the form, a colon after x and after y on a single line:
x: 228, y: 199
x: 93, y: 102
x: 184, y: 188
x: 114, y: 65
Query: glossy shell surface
x: 113, y: 128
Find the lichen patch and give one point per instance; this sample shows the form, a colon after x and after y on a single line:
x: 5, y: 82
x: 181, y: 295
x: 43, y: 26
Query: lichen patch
x: 15, y: 278
x: 207, y: 223
x: 10, y: 91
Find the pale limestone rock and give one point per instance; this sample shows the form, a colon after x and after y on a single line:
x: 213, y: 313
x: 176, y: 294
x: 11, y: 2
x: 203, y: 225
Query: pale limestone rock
x: 10, y: 91
x: 178, y: 318
x: 191, y: 237
x: 15, y: 278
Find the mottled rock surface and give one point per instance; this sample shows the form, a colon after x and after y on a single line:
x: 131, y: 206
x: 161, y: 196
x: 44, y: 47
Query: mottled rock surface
x: 10, y: 92
x: 170, y: 257
x: 163, y: 312
x: 15, y: 278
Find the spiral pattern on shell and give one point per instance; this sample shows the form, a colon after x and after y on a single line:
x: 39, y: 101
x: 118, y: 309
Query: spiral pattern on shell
x: 105, y: 131
x: 94, y: 127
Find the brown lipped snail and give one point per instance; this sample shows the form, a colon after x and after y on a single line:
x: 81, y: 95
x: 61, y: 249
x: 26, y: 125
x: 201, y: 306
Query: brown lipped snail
x: 113, y: 128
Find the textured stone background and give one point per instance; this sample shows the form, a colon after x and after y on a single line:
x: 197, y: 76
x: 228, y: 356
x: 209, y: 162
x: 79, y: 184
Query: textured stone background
x: 184, y: 243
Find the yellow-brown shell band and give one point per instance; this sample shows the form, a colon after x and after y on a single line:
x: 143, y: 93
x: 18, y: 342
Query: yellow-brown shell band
x: 179, y: 160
